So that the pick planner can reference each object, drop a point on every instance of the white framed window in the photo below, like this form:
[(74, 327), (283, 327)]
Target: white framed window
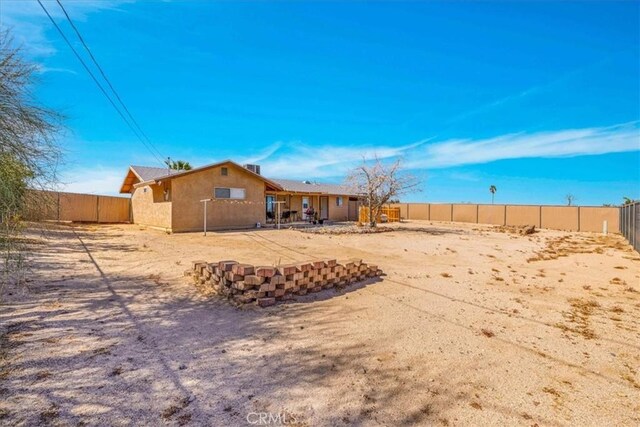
[(339, 201), (229, 193)]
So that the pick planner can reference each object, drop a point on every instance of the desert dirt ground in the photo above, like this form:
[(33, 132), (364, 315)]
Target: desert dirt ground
[(470, 326)]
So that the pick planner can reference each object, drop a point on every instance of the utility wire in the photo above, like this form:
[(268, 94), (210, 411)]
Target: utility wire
[(104, 92), (106, 79)]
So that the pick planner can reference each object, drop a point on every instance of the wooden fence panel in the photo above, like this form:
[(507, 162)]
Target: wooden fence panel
[(58, 206), (78, 207), (113, 209), (393, 214)]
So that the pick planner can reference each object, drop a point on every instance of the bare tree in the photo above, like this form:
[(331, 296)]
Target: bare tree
[(570, 198), (379, 183), (28, 151)]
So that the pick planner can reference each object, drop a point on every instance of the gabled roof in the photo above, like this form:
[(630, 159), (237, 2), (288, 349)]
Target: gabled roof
[(313, 187), (146, 175), (140, 175)]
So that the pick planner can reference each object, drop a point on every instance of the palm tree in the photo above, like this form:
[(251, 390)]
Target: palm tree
[(627, 201), (178, 165), (492, 190)]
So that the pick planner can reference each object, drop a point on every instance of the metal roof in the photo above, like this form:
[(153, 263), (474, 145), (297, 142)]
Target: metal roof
[(146, 174), (313, 187)]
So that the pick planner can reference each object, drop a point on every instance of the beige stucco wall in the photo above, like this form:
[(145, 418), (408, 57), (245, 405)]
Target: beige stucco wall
[(440, 212), (491, 214), (523, 215), (465, 213), (560, 217), (149, 208), (188, 190), (339, 213), (591, 219)]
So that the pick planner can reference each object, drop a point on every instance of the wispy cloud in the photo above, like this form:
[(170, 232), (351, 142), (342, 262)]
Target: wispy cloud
[(299, 160), (562, 143), (29, 24)]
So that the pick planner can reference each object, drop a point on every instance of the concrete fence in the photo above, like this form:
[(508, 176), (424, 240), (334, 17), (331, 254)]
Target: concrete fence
[(569, 218), (60, 206)]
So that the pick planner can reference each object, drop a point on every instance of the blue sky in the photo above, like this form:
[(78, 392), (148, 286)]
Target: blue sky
[(540, 99)]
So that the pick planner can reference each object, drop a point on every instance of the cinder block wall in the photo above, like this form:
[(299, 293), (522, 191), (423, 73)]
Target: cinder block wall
[(570, 218)]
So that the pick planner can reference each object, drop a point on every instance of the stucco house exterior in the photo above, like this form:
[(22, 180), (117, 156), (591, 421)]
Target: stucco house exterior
[(240, 197)]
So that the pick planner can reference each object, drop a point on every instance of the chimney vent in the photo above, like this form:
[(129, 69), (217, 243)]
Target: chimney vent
[(253, 168)]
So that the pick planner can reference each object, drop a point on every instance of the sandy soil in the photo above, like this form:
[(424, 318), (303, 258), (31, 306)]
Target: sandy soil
[(470, 326)]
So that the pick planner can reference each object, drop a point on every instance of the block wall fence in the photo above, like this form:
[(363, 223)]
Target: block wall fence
[(62, 206), (569, 218)]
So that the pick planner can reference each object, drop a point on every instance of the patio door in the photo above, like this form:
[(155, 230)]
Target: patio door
[(305, 206), (324, 207)]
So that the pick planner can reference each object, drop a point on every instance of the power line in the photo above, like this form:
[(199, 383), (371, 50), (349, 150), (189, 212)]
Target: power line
[(95, 61), (93, 77)]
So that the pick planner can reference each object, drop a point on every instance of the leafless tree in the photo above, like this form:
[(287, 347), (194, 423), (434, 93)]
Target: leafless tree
[(29, 154), (570, 198), (379, 183)]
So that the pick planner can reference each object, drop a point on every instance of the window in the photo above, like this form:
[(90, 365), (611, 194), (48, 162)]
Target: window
[(229, 193), (270, 203), (339, 201), (224, 171)]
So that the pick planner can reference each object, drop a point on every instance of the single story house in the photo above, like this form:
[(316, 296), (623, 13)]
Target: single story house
[(240, 197)]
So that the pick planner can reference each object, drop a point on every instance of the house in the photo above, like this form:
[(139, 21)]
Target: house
[(240, 197)]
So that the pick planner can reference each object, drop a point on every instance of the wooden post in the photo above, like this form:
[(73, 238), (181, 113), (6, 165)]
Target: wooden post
[(278, 203), (205, 214)]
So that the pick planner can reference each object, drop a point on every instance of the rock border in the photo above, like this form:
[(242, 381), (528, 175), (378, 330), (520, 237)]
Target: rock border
[(265, 285)]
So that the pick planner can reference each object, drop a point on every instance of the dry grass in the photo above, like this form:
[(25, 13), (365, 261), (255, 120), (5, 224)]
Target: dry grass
[(579, 315)]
